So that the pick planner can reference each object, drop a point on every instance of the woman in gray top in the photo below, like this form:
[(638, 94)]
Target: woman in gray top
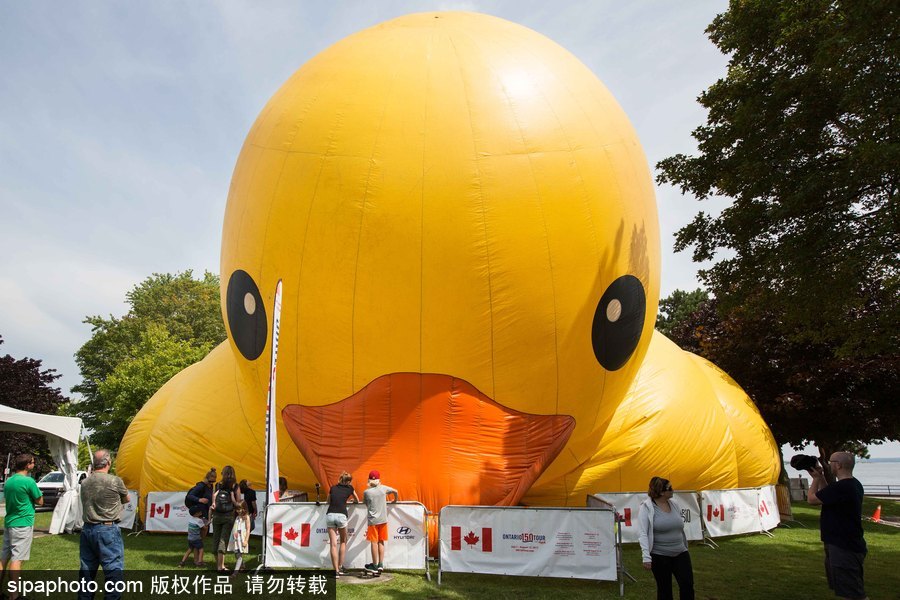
[(663, 542)]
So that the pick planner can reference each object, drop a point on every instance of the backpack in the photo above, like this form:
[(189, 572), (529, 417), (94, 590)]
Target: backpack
[(224, 502), (194, 491)]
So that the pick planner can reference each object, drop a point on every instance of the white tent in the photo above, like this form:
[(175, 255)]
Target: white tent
[(62, 436)]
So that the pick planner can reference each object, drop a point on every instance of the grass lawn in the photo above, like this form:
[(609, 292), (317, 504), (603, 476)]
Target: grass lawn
[(745, 567)]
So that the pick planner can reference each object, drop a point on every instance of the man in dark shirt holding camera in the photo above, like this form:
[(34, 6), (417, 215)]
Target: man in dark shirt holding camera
[(840, 525)]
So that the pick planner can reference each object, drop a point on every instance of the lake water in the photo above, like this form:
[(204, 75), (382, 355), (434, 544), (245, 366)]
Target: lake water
[(868, 472)]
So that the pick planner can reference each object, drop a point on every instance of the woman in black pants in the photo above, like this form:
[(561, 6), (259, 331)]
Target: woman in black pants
[(227, 495), (663, 542)]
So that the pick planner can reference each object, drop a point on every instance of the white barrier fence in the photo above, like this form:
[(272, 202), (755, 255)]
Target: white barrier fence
[(126, 521), (298, 537), (718, 512), (769, 515), (543, 542), (733, 512), (166, 512), (628, 505)]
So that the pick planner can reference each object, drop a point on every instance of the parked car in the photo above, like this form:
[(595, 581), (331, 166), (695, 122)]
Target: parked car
[(51, 486)]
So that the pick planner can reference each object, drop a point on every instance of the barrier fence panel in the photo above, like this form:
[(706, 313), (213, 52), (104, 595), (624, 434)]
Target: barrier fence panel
[(628, 506), (127, 519), (258, 523), (166, 512), (298, 537), (541, 542), (690, 512), (731, 512), (783, 495), (769, 515)]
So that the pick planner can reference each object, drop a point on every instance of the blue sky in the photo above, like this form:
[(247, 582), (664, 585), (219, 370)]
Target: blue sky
[(120, 123)]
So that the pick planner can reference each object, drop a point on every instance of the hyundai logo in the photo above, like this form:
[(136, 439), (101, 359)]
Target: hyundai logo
[(403, 530)]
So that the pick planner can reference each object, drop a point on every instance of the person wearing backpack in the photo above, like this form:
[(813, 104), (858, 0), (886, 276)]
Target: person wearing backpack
[(226, 497), (201, 494)]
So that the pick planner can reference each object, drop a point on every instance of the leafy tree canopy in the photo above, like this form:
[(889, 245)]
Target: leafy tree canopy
[(173, 322), (26, 386), (677, 308), (802, 138)]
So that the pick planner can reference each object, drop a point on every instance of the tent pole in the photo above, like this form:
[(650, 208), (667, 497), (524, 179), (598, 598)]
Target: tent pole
[(87, 440)]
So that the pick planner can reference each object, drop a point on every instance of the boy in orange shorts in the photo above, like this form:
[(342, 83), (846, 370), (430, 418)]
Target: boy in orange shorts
[(375, 498)]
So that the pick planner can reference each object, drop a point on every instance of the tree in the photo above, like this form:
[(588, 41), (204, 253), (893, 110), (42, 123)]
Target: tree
[(802, 137), (26, 386), (677, 308), (802, 142), (156, 358), (173, 322)]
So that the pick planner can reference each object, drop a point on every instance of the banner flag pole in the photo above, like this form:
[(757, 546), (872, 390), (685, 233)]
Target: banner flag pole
[(272, 493)]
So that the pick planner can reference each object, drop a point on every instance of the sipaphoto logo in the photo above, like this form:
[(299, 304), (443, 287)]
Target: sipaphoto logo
[(403, 530)]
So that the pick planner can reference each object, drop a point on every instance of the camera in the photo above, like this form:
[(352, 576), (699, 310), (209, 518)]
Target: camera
[(804, 462)]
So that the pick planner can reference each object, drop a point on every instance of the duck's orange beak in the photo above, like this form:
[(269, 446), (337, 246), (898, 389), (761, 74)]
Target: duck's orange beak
[(435, 438)]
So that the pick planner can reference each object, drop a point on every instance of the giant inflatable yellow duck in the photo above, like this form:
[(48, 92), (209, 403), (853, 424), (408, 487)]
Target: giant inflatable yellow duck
[(466, 229)]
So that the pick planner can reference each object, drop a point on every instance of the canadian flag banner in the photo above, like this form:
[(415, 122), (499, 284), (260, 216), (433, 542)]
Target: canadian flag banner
[(731, 512), (540, 542), (166, 512), (628, 505), (297, 536), (291, 535), (715, 512), (485, 542)]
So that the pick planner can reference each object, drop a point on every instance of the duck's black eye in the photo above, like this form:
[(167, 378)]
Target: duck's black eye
[(618, 322), (246, 315)]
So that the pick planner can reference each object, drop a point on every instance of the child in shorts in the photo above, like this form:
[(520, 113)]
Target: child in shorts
[(375, 498), (197, 528)]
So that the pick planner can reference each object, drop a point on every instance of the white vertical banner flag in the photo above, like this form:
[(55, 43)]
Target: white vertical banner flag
[(296, 536), (271, 414), (628, 505), (769, 516), (731, 512), (539, 542)]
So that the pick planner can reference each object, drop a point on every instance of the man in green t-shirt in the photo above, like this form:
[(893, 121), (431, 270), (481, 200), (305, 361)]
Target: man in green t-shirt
[(21, 493)]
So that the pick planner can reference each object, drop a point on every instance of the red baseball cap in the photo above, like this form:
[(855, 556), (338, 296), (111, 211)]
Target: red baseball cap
[(373, 474)]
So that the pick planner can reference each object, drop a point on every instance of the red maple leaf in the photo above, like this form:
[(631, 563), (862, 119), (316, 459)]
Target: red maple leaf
[(291, 534), (159, 510), (471, 539)]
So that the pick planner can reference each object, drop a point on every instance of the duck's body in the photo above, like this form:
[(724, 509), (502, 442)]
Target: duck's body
[(466, 229)]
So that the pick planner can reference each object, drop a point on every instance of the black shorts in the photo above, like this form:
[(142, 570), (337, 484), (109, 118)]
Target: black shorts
[(844, 570)]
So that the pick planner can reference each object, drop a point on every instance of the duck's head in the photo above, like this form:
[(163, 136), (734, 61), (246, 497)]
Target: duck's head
[(466, 228)]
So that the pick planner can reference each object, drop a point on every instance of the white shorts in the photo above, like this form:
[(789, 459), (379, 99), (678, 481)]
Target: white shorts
[(17, 543), (335, 520)]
